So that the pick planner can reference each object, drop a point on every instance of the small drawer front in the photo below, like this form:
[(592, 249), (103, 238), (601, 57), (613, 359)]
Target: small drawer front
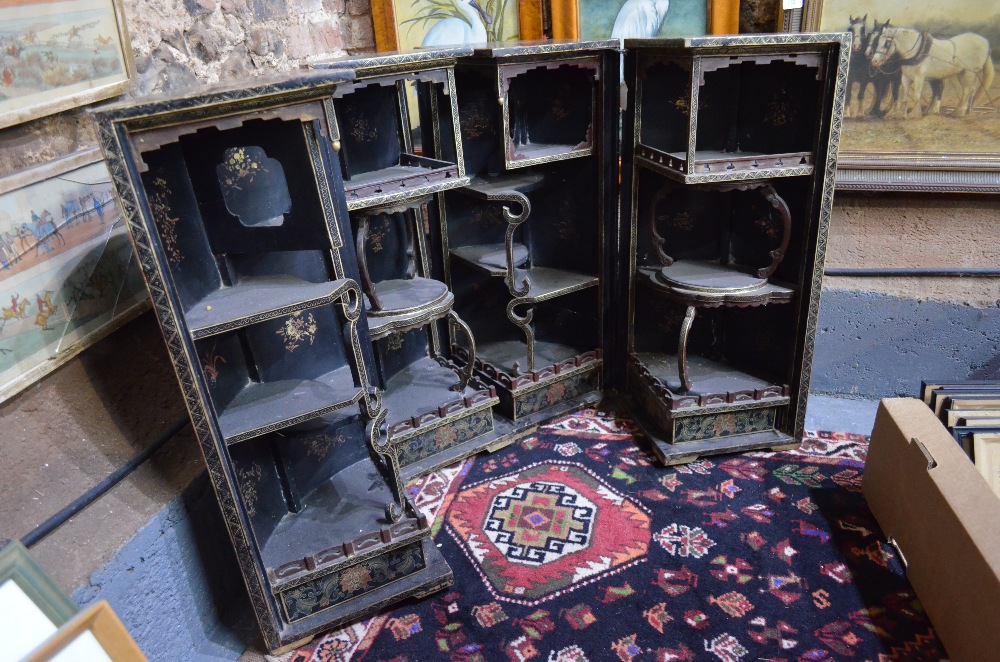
[(724, 424), (354, 580)]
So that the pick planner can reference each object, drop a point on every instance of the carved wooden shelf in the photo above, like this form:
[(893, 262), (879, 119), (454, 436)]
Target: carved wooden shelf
[(408, 303), (257, 299), (546, 283), (262, 407), (290, 551), (720, 166), (708, 284), (713, 383), (487, 187), (491, 258), (414, 175)]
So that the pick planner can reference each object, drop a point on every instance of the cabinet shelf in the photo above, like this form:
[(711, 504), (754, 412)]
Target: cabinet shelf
[(413, 175), (720, 166), (710, 284), (490, 258), (713, 383), (420, 387), (262, 407), (408, 303), (257, 299), (548, 283), (489, 186), (351, 504), (503, 354)]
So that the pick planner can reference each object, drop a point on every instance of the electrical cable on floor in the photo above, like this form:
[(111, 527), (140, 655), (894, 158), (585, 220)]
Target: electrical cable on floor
[(889, 272), (94, 493)]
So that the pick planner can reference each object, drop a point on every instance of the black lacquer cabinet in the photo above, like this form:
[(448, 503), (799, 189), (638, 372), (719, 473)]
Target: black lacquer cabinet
[(376, 268)]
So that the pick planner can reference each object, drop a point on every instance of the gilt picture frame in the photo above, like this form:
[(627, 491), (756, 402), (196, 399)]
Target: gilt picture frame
[(936, 140), (32, 606), (68, 276), (599, 19), (96, 634), (61, 54)]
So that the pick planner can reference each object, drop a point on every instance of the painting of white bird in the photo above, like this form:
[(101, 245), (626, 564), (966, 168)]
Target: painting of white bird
[(470, 28), (640, 19)]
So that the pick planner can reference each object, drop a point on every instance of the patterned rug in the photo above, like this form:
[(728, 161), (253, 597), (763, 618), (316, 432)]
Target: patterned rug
[(574, 546)]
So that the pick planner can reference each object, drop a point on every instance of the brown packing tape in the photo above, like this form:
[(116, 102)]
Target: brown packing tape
[(930, 499)]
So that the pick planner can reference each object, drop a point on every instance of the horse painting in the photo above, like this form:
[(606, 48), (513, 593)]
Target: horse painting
[(964, 58), (41, 228)]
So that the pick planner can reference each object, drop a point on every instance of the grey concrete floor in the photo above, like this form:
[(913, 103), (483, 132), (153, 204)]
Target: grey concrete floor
[(833, 413)]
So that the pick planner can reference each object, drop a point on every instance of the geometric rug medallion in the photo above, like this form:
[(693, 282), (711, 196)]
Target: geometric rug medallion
[(547, 529)]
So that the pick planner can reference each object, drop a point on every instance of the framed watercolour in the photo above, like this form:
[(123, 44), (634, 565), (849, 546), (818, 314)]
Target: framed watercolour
[(32, 606), (67, 274), (96, 634), (403, 25), (922, 110), (57, 55), (986, 449), (642, 19)]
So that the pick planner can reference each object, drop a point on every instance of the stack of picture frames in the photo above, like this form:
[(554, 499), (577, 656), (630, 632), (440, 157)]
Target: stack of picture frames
[(409, 24), (38, 622), (971, 412), (922, 110), (67, 273)]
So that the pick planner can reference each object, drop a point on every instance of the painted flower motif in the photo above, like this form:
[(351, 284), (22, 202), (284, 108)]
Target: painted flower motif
[(210, 361), (556, 392), (166, 222), (445, 437), (297, 330), (241, 168), (355, 579)]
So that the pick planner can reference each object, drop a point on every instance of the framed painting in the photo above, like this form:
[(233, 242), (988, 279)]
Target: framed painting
[(67, 273), (643, 19), (922, 111), (56, 55), (96, 634), (986, 450), (32, 606), (403, 25)]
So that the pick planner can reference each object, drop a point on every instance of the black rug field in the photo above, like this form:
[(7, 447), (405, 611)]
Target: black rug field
[(573, 545)]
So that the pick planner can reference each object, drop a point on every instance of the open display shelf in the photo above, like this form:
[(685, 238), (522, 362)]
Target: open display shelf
[(436, 413), (549, 108), (238, 211), (716, 115), (727, 155), (377, 268), (374, 120)]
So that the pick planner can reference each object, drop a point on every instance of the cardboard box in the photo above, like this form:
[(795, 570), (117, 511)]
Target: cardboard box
[(930, 499)]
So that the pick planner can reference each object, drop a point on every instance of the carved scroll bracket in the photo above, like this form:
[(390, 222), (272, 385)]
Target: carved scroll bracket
[(465, 373), (513, 221), (523, 323)]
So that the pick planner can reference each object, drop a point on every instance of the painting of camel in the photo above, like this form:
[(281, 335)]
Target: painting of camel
[(922, 104), (67, 273), (56, 55)]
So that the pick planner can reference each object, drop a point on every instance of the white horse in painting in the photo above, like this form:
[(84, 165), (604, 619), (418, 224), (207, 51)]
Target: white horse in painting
[(922, 57)]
